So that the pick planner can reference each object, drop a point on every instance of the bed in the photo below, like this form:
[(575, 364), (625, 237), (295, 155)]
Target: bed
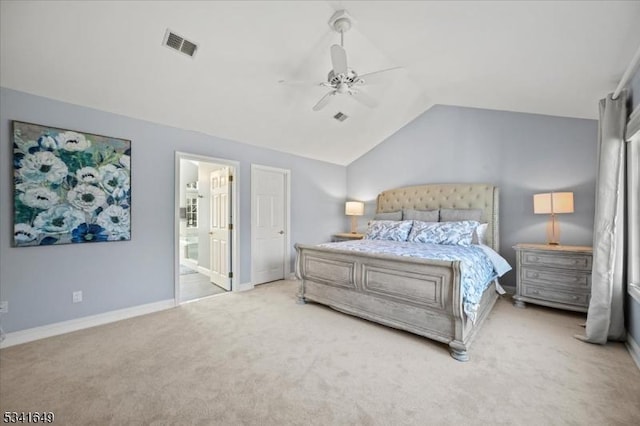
[(422, 296)]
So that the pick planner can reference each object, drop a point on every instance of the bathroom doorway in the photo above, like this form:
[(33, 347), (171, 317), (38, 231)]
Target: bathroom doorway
[(206, 212)]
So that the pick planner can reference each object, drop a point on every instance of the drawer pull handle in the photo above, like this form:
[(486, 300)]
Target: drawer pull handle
[(535, 258), (535, 275), (535, 292), (575, 297)]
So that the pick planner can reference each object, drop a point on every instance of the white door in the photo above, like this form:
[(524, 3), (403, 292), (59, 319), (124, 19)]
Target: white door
[(269, 210), (219, 229)]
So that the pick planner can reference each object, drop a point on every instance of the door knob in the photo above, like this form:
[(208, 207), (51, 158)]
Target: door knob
[(281, 232)]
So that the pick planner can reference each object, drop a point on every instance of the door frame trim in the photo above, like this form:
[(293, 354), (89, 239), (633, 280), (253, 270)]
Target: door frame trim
[(235, 210), (287, 220)]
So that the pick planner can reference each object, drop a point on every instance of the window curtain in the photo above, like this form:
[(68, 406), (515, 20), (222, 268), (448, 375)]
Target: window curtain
[(605, 318), (633, 201)]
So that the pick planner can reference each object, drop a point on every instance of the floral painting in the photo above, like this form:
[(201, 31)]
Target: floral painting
[(69, 187)]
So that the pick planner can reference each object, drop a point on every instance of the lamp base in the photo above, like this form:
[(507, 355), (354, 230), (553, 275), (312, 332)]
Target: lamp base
[(354, 224), (553, 231)]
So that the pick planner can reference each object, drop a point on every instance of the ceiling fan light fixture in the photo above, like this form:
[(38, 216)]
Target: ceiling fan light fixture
[(342, 25), (342, 80), (341, 21), (340, 116)]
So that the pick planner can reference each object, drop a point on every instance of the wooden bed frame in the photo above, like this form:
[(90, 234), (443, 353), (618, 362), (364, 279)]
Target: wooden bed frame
[(417, 295)]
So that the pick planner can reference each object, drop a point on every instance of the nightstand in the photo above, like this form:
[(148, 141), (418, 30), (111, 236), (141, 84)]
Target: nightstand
[(346, 236), (556, 276)]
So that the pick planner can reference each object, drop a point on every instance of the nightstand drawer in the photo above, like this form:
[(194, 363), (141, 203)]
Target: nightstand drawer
[(575, 261), (553, 295), (575, 280)]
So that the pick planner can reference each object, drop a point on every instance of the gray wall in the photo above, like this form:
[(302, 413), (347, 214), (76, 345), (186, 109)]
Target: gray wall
[(38, 281), (521, 153), (633, 307)]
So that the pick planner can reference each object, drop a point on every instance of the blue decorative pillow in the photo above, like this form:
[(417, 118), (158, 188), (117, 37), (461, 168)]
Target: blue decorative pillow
[(390, 230), (453, 233)]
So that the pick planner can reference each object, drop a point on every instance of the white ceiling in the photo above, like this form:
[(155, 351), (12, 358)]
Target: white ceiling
[(555, 58)]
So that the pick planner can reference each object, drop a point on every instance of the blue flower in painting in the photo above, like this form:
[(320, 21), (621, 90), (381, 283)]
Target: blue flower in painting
[(42, 167), (86, 233), (58, 219)]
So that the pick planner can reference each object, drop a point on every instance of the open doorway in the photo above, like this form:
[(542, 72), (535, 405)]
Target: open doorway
[(206, 247)]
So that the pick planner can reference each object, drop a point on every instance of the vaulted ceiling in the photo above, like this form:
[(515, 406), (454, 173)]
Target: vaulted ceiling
[(554, 58)]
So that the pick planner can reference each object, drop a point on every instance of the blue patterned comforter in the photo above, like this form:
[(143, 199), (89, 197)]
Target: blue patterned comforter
[(479, 265)]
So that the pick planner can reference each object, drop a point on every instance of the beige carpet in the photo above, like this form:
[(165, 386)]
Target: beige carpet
[(259, 358)]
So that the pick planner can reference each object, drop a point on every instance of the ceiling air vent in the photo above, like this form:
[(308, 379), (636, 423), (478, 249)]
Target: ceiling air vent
[(176, 42), (340, 116)]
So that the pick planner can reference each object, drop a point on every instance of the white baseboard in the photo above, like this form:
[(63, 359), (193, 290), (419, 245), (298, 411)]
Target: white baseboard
[(292, 277), (189, 262), (36, 333), (244, 287), (203, 270), (634, 349)]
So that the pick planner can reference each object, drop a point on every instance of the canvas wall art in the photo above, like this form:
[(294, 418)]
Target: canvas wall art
[(69, 187)]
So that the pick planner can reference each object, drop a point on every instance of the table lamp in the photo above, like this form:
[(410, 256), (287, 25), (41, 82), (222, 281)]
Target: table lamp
[(553, 203), (354, 209)]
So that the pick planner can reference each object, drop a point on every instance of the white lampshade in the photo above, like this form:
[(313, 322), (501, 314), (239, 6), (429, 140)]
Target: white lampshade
[(354, 208), (553, 203)]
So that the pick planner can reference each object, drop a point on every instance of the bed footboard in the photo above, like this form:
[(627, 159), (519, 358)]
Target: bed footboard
[(417, 295)]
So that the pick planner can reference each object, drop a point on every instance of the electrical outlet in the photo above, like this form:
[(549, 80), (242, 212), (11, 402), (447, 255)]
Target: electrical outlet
[(77, 296), (4, 307)]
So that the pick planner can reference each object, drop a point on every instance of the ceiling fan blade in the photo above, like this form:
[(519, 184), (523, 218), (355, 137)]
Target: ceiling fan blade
[(305, 83), (363, 98), (375, 77), (338, 59), (324, 101)]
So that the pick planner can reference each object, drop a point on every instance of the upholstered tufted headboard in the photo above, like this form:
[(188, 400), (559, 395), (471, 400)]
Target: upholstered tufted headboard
[(448, 196)]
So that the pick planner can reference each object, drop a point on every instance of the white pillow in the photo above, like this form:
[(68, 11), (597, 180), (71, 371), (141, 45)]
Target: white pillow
[(390, 230), (455, 233), (480, 234)]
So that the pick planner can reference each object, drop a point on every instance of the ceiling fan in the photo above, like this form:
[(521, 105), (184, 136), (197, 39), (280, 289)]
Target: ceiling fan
[(341, 79)]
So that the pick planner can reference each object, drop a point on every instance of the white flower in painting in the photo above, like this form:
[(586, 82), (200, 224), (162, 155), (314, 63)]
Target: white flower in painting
[(39, 198), (72, 141), (43, 166), (58, 220), (122, 236), (125, 161), (86, 197), (88, 175), (23, 233), (114, 180), (114, 219), (47, 142)]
